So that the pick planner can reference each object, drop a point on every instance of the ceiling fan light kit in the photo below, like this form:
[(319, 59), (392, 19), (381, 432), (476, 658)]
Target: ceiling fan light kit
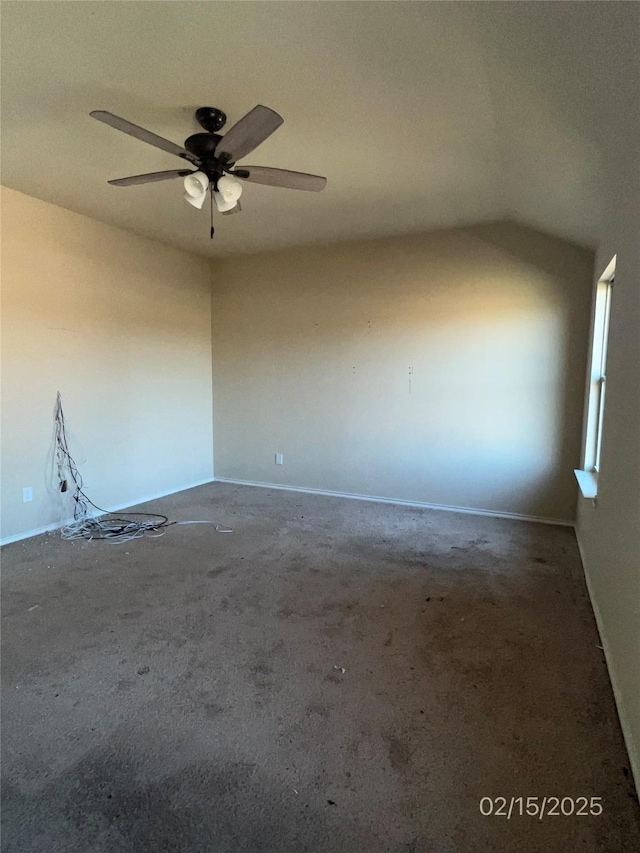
[(227, 194), (196, 185), (215, 156)]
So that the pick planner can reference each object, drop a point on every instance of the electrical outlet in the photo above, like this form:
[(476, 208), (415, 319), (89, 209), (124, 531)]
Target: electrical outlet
[(27, 494), (279, 459)]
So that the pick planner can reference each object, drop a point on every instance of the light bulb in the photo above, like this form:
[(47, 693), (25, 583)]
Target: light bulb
[(229, 189), (196, 184), (222, 205)]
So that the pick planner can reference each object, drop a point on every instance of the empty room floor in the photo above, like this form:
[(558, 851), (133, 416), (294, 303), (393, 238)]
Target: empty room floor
[(333, 675)]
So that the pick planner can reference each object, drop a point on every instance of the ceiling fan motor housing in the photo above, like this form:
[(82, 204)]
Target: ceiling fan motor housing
[(203, 145)]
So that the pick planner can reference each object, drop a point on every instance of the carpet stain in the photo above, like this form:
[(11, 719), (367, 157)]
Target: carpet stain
[(399, 753), (319, 710)]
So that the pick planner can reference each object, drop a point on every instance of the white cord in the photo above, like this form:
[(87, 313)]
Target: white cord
[(219, 527)]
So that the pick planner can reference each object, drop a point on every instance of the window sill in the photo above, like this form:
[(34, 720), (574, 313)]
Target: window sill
[(588, 483)]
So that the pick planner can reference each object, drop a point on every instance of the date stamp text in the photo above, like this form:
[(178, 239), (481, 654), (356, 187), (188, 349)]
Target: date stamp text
[(540, 807)]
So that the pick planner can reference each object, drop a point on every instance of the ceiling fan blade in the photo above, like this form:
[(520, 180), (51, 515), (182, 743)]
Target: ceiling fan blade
[(248, 133), (150, 178), (142, 134), (236, 209), (282, 178)]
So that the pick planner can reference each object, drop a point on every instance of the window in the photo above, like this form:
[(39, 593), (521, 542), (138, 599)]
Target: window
[(588, 476)]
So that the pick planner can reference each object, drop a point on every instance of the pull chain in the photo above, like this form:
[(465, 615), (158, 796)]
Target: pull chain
[(211, 200)]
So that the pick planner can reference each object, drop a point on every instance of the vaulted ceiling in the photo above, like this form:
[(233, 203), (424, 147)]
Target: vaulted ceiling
[(421, 115)]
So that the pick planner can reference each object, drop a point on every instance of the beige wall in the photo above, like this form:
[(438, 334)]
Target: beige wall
[(609, 531), (120, 325), (444, 368)]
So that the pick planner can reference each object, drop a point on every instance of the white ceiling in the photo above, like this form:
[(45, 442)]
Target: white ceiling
[(421, 115)]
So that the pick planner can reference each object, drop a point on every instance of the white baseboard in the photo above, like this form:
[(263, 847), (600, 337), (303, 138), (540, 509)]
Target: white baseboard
[(634, 758), (399, 502), (56, 525), (36, 531)]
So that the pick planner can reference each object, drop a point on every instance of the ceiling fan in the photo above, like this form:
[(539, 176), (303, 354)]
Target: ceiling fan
[(214, 158)]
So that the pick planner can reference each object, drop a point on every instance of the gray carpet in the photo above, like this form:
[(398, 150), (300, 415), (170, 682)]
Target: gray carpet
[(186, 693)]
